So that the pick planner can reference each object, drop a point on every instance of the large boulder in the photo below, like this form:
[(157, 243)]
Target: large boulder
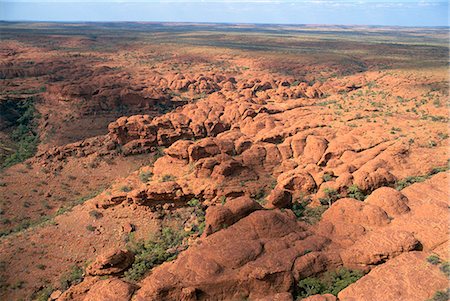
[(111, 262)]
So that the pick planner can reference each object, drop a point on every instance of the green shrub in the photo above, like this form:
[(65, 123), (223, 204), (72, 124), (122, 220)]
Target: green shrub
[(153, 252), (199, 212), (329, 283), (310, 286), (356, 193), (331, 196), (434, 259), (194, 202), (311, 215)]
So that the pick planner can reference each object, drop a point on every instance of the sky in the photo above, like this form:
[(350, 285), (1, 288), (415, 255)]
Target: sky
[(344, 12)]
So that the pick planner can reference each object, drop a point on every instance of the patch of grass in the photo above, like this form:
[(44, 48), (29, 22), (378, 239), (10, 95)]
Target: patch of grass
[(328, 283), (90, 228), (145, 176), (153, 252)]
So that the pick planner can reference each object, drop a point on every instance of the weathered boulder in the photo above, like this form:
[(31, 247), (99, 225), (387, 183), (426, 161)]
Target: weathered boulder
[(111, 262), (279, 198), (390, 200), (223, 216)]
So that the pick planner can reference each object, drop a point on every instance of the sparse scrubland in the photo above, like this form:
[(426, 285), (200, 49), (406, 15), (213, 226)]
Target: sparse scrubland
[(223, 162)]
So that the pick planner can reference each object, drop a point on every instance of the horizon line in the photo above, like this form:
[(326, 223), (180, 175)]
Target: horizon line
[(224, 23)]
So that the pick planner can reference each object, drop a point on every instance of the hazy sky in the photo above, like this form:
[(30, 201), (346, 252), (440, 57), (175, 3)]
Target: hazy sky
[(367, 12)]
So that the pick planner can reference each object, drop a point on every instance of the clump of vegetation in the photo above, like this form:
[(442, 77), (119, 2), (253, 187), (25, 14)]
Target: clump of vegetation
[(125, 188), (331, 196), (199, 212), (24, 134), (90, 228), (95, 214), (145, 176), (441, 296), (434, 259), (168, 178), (72, 277), (153, 252), (328, 283), (356, 193), (41, 266), (417, 179), (445, 268), (327, 177), (409, 181), (308, 214), (43, 294), (260, 196)]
